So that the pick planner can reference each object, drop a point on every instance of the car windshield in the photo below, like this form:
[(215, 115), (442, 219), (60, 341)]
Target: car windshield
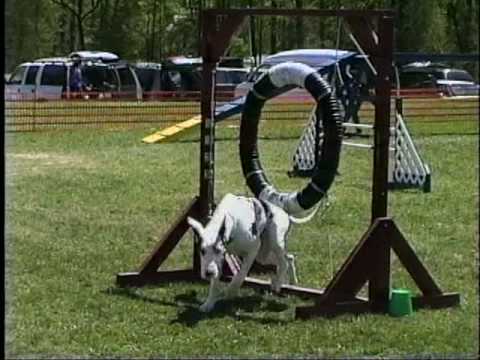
[(230, 76), (17, 76), (99, 78), (459, 75), (264, 67), (416, 80), (147, 78)]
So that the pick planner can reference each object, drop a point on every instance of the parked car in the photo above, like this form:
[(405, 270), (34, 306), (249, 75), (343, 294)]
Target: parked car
[(103, 74), (103, 56), (186, 73), (325, 61), (149, 75), (347, 71), (182, 77), (447, 81), (227, 79)]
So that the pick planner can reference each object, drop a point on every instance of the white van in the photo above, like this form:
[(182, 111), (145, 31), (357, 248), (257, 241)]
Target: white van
[(49, 78)]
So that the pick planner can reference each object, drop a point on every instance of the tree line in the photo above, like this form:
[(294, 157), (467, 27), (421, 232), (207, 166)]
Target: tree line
[(150, 30)]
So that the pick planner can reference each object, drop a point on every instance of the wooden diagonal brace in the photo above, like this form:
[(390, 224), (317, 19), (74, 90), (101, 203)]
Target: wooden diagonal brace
[(219, 32)]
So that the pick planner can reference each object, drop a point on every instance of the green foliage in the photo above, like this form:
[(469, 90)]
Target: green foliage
[(413, 17), (29, 29), (118, 29), (153, 29), (462, 18)]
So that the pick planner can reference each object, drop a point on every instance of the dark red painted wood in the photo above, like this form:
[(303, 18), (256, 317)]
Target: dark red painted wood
[(370, 259), (169, 241)]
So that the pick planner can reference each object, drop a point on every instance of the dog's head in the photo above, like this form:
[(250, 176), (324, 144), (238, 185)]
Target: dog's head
[(212, 248)]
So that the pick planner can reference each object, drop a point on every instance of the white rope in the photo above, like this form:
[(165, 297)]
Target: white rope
[(323, 206), (330, 254), (365, 56), (336, 66), (334, 89), (210, 125)]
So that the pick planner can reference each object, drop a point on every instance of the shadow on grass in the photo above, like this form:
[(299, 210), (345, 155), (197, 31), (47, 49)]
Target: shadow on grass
[(248, 308)]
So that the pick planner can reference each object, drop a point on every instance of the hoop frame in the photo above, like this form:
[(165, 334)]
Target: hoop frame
[(369, 261)]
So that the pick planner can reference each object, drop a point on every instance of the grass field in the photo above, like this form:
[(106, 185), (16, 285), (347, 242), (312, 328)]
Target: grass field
[(82, 206)]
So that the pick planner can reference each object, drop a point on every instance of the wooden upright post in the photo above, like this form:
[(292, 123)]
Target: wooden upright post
[(379, 285), (383, 64)]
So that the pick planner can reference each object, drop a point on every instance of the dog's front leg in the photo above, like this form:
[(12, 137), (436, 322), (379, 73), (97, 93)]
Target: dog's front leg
[(214, 294), (239, 277)]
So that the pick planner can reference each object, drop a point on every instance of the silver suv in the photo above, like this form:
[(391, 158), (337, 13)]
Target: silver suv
[(103, 75), (447, 81)]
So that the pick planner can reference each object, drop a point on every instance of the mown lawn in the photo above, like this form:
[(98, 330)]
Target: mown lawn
[(82, 206)]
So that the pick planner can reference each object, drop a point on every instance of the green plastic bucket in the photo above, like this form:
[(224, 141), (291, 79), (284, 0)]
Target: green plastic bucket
[(400, 303)]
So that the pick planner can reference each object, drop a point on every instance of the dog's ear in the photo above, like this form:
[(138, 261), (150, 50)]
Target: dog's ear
[(221, 232), (219, 247), (225, 230), (196, 226)]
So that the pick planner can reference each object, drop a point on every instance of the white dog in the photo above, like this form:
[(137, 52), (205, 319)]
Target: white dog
[(248, 228)]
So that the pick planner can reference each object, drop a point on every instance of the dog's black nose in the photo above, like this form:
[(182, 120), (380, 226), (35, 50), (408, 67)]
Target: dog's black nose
[(209, 274)]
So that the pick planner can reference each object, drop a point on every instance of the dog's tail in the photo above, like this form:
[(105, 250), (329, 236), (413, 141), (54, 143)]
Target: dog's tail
[(323, 204), (305, 219)]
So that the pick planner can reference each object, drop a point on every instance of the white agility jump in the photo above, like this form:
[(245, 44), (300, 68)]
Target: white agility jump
[(406, 166), (361, 145)]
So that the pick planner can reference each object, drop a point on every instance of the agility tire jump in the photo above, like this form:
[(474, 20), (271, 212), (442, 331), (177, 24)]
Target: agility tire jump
[(270, 84)]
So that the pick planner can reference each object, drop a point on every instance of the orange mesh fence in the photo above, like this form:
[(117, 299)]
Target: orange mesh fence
[(162, 109)]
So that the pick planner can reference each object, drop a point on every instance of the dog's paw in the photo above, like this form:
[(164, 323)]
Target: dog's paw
[(206, 307), (276, 286)]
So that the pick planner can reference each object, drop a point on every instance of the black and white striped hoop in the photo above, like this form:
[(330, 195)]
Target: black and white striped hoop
[(272, 83)]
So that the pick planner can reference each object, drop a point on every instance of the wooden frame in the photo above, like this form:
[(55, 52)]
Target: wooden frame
[(369, 262)]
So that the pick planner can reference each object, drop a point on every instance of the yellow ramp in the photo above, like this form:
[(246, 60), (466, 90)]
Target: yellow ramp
[(172, 130)]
